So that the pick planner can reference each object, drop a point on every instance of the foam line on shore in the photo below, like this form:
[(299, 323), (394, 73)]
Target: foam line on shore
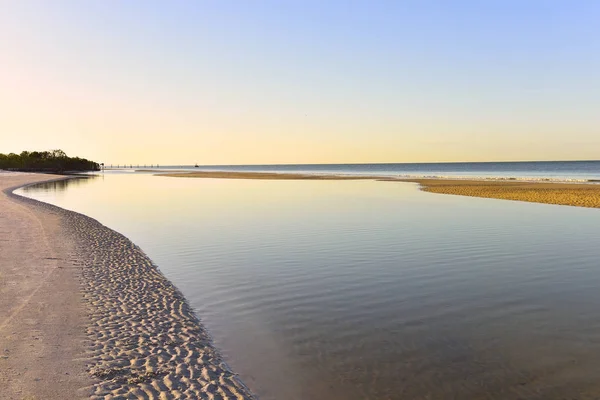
[(143, 338)]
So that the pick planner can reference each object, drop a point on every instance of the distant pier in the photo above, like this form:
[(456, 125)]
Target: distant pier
[(129, 166)]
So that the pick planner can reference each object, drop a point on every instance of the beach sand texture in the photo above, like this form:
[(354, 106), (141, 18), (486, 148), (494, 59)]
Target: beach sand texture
[(134, 335), (42, 317), (568, 194)]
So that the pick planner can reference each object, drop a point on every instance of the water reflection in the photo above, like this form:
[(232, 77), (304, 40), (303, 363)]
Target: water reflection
[(354, 290), (62, 185)]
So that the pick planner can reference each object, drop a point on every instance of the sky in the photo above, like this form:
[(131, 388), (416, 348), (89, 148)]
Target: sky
[(264, 82)]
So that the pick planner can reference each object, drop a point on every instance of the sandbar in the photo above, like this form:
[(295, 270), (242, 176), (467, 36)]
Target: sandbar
[(569, 194), (257, 175), (566, 194)]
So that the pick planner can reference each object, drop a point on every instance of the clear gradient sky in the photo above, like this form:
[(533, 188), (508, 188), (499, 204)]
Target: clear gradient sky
[(252, 82)]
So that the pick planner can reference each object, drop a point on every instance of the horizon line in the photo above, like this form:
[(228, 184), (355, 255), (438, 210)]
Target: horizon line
[(139, 165)]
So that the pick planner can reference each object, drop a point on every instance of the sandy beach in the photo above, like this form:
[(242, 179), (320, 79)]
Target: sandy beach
[(86, 314), (569, 194), (42, 316)]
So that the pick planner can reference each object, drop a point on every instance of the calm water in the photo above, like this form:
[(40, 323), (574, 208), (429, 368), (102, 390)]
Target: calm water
[(370, 290), (547, 170)]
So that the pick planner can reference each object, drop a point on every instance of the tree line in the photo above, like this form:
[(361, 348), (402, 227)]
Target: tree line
[(45, 161)]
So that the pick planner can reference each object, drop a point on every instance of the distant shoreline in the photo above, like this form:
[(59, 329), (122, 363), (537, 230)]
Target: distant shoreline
[(138, 166), (565, 194), (559, 193), (256, 175)]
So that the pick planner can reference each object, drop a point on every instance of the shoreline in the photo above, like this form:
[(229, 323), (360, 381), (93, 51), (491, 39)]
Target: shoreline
[(140, 336), (557, 193), (564, 194), (41, 318), (132, 332)]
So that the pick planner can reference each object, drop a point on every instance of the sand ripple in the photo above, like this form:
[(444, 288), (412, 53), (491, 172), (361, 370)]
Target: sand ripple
[(144, 340)]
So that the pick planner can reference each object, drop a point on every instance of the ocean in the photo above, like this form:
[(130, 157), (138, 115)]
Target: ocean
[(372, 290), (526, 170)]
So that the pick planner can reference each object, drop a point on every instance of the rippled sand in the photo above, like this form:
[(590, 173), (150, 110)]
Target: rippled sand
[(143, 340)]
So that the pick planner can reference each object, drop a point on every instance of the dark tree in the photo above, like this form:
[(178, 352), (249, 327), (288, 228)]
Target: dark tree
[(46, 161)]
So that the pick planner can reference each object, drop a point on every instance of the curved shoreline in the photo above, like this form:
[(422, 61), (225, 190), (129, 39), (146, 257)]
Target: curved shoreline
[(143, 339)]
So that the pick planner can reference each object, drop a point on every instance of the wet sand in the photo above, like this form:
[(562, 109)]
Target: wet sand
[(580, 195), (86, 314)]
